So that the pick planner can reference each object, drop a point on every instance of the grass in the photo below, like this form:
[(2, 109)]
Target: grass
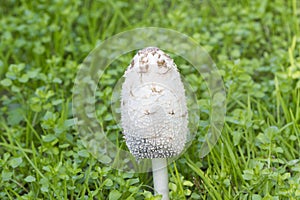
[(255, 45)]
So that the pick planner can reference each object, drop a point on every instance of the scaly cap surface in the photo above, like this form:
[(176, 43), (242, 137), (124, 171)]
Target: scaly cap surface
[(154, 114)]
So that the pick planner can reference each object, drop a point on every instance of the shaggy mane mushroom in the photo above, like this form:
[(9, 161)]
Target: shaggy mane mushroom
[(153, 112)]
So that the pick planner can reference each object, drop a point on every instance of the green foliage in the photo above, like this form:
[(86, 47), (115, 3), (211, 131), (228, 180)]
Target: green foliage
[(255, 45)]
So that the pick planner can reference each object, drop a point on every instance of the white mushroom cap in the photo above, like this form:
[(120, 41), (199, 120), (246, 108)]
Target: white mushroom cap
[(153, 107)]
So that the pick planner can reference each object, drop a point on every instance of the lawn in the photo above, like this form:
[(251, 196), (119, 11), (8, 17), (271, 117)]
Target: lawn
[(255, 46)]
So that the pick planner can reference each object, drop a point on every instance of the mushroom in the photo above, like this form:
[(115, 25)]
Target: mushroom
[(153, 112)]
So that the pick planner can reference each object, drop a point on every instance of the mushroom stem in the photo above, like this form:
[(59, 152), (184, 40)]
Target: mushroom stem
[(160, 177)]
